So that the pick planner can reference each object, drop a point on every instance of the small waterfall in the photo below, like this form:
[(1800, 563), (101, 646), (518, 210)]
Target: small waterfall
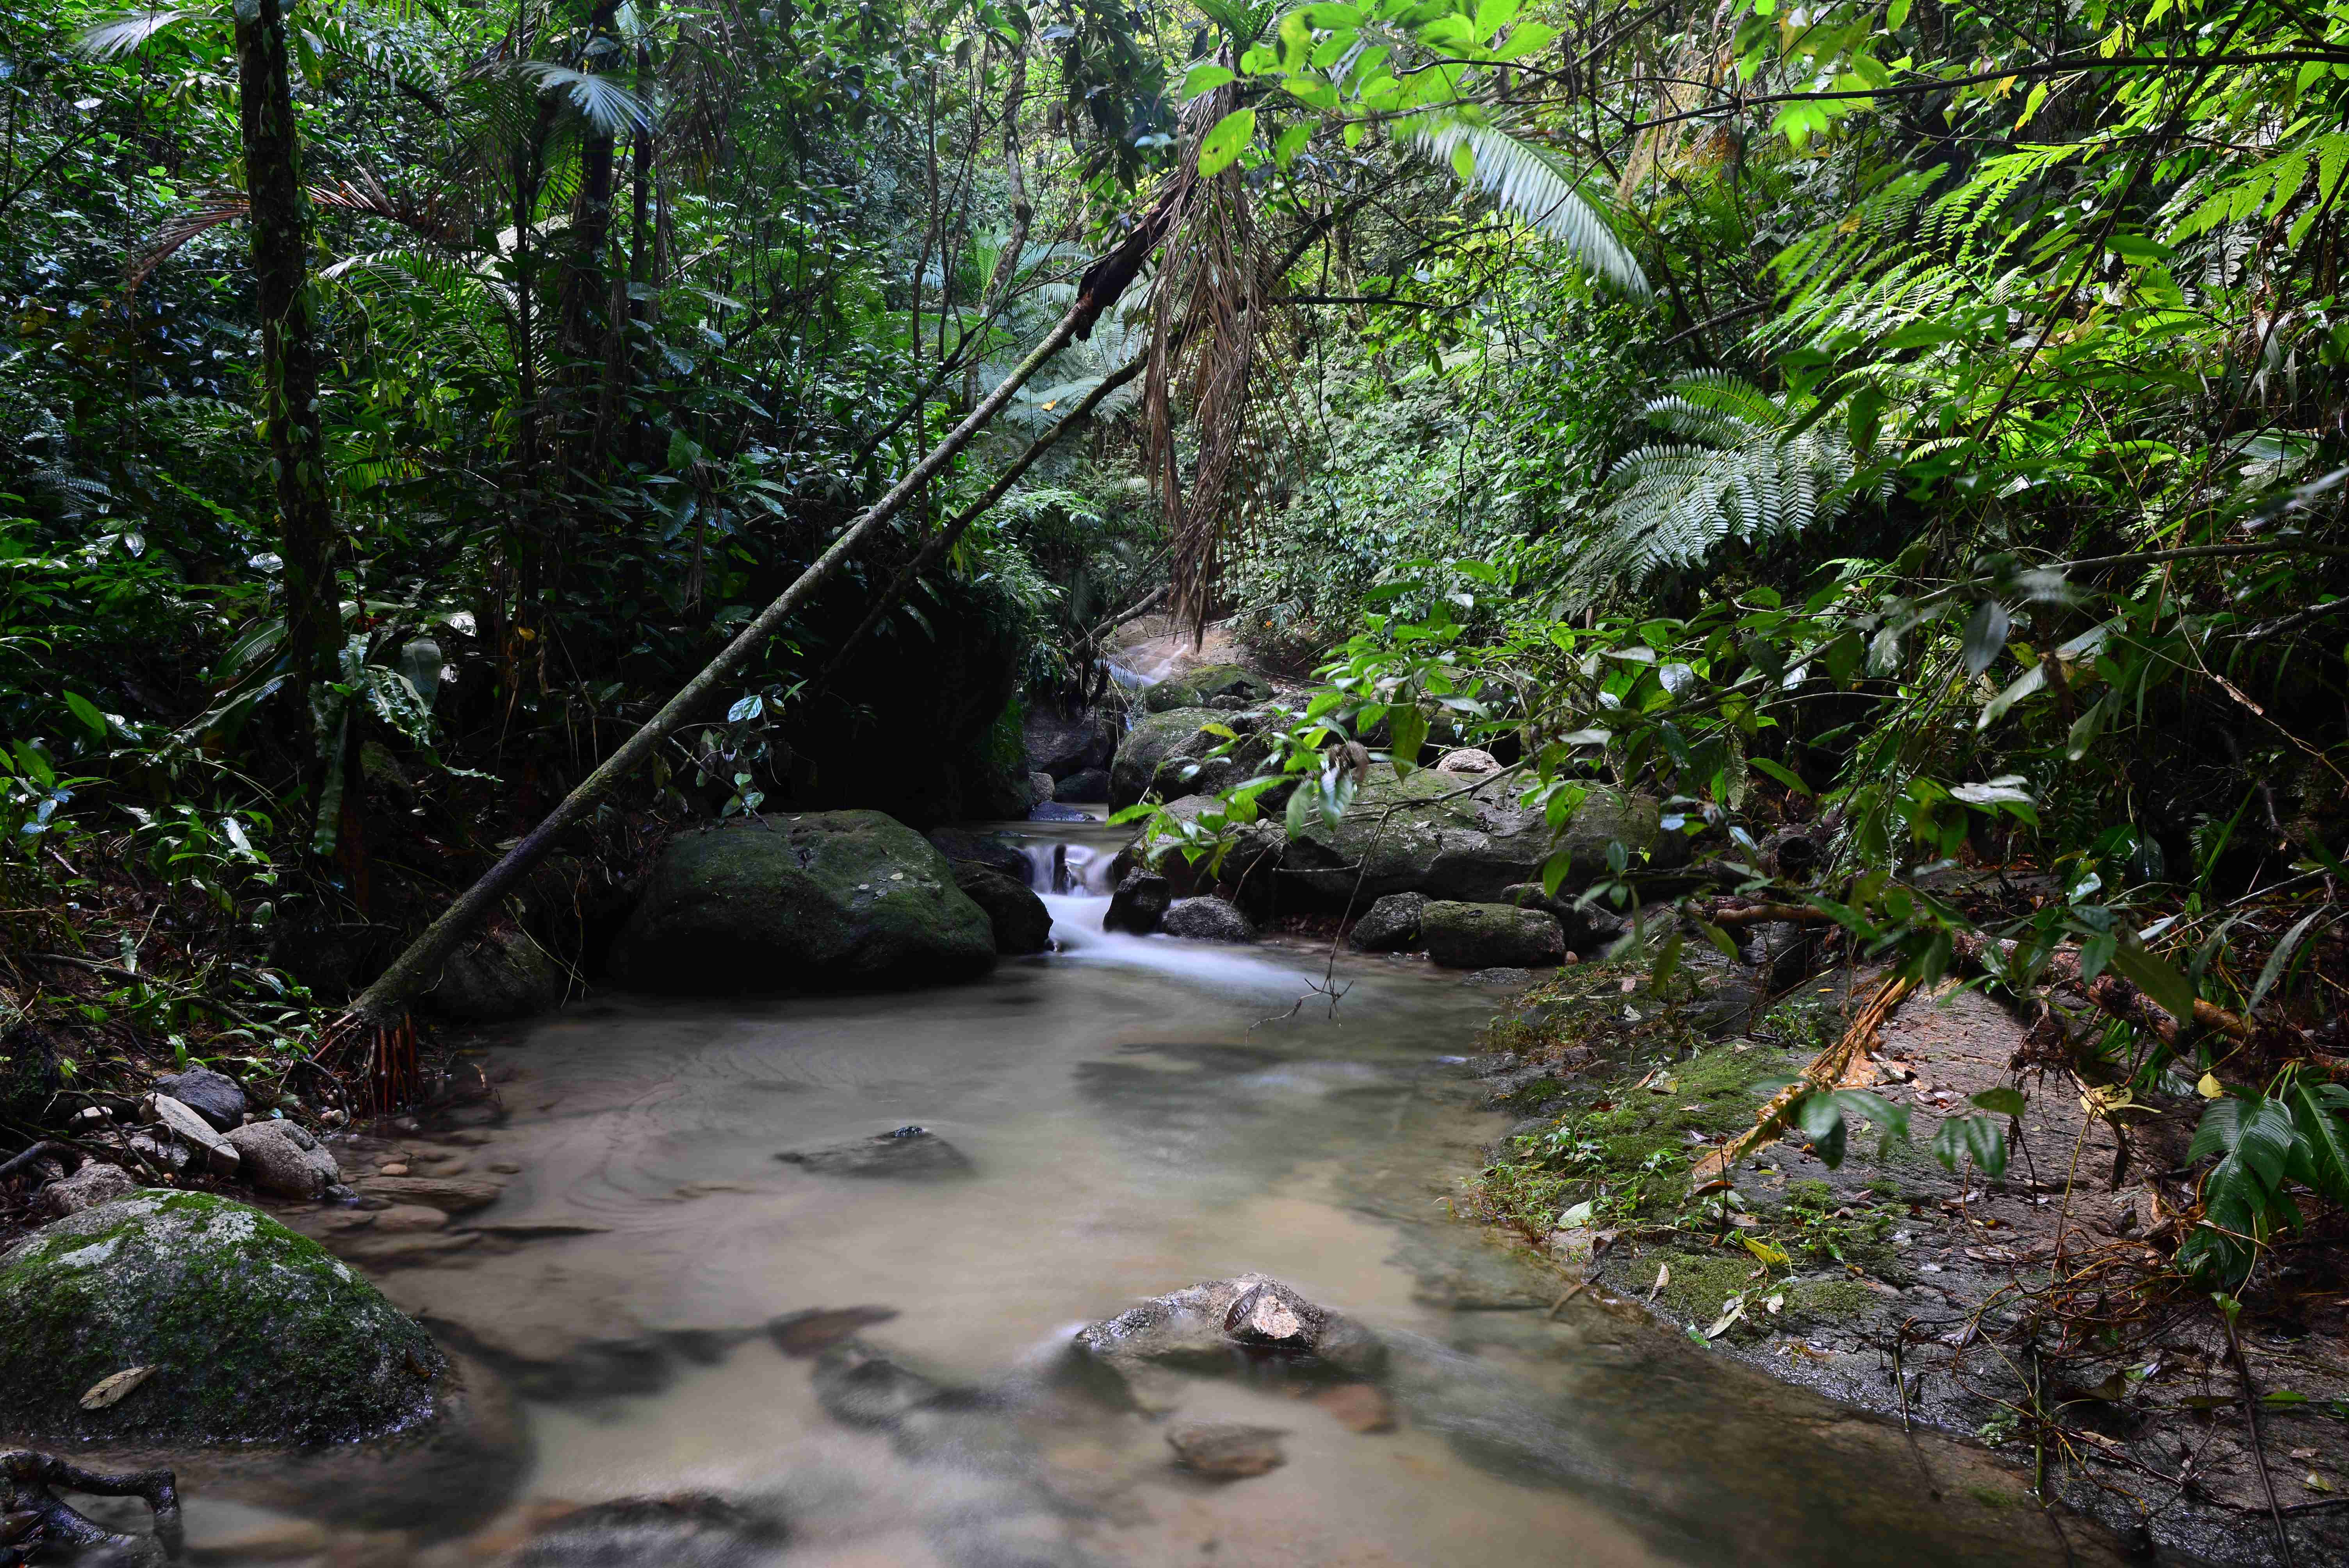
[(1067, 869)]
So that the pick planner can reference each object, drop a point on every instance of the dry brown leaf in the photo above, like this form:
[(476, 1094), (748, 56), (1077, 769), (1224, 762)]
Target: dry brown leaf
[(111, 1390)]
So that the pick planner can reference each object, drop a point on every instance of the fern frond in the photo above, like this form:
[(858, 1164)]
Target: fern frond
[(1538, 186)]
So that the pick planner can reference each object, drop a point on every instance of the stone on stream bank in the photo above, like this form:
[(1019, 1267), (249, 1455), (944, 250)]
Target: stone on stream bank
[(213, 1096), (1223, 686), (497, 975), (255, 1335), (1170, 753), (1219, 1324), (1018, 917), (1140, 903), (831, 900), (1491, 936), (1392, 926), (1206, 919)]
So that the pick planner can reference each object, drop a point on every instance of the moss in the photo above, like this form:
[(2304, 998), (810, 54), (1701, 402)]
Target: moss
[(1991, 1497), (257, 1334), (1700, 1282), (1812, 1299)]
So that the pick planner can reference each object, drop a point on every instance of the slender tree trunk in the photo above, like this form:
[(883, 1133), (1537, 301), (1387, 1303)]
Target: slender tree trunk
[(1023, 213), (280, 224)]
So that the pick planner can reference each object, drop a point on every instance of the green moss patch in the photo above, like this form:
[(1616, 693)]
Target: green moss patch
[(257, 1334)]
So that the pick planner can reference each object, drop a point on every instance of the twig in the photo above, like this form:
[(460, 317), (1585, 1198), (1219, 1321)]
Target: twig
[(2259, 1440)]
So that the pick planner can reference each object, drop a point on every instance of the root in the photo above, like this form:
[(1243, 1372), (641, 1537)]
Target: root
[(32, 1521), (1840, 1066), (384, 1057)]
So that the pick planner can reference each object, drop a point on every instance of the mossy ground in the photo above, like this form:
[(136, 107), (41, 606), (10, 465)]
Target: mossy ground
[(1638, 1096)]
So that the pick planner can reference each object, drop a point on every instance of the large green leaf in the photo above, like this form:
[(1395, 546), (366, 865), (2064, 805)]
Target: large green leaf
[(1542, 188), (1225, 142), (2320, 1153)]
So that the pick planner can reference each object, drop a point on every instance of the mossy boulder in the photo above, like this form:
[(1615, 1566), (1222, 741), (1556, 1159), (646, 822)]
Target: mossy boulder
[(1018, 917), (829, 901), (1208, 686), (256, 1334), (1171, 754), (1423, 834), (1490, 935)]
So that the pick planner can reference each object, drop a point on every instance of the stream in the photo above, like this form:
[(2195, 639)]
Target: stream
[(1132, 1115)]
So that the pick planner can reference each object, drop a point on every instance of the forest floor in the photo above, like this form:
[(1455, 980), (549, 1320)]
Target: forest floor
[(2038, 1313)]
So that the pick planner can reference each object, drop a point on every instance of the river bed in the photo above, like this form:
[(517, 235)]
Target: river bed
[(1136, 1114)]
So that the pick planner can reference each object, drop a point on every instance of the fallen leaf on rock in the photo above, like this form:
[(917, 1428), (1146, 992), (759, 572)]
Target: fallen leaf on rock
[(2315, 1482), (1663, 1278), (111, 1390)]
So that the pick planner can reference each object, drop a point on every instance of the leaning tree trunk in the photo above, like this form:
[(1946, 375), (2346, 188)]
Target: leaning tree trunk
[(384, 1003), (280, 223)]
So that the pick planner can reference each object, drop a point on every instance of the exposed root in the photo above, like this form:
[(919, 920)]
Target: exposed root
[(33, 1521), (383, 1057), (1840, 1066)]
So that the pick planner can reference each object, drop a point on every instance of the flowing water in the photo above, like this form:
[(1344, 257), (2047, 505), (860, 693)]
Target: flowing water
[(1135, 1114)]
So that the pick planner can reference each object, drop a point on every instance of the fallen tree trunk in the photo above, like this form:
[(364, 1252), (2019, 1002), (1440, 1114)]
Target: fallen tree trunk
[(384, 1004)]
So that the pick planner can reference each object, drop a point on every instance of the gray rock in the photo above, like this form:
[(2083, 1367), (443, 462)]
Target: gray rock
[(1504, 975), (182, 1122), (1208, 685), (1018, 917), (859, 1386), (1090, 787), (1402, 835), (1392, 924), (499, 974), (164, 1153), (1467, 760), (1220, 1323), (910, 1152), (993, 851), (1227, 1450), (1249, 861), (96, 1183), (257, 1334), (1588, 928), (1139, 904), (1171, 754), (284, 1160), (1491, 935), (213, 1096), (685, 1530), (29, 1075), (450, 1195), (830, 900), (1206, 920), (1062, 745), (1040, 788)]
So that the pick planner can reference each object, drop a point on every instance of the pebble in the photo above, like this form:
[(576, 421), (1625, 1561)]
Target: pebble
[(1225, 1449), (505, 1168), (1357, 1407), (392, 1170)]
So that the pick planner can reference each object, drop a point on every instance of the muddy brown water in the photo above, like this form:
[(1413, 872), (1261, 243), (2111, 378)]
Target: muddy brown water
[(1137, 1114)]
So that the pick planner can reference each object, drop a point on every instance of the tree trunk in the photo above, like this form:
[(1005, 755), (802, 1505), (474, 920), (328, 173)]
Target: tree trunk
[(280, 223)]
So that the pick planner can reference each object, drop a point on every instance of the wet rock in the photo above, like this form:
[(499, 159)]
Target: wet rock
[(257, 1334), (1054, 811), (1587, 928), (498, 974), (213, 1096), (1491, 935), (1014, 913), (1418, 835), (1227, 1450), (799, 1335), (1249, 861), (859, 1386), (993, 851), (1211, 1325), (828, 901), (688, 1530), (1171, 754), (161, 1152), (1782, 951), (1392, 924), (1040, 788), (1090, 787), (1357, 1407), (181, 1121), (450, 1195), (284, 1160), (96, 1183), (1139, 904), (914, 1152), (1206, 919), (1208, 686), (1503, 975)]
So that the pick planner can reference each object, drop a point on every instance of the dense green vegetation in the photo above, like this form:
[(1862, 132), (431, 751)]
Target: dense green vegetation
[(1920, 421)]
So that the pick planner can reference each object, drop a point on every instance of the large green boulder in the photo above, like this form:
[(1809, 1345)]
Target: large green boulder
[(1208, 686), (1451, 837), (1491, 936), (253, 1333), (1169, 754), (828, 901)]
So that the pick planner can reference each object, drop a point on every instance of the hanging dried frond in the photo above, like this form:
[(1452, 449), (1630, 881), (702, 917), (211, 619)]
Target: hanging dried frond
[(1207, 311)]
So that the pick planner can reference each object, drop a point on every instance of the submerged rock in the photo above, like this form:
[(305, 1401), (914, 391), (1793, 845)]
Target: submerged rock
[(1139, 904), (831, 900), (687, 1530), (1206, 919), (1211, 1325), (1491, 936), (1417, 834), (1208, 686), (284, 1160), (256, 1334), (1225, 1449), (910, 1152), (213, 1096), (499, 974), (1017, 916), (859, 1386), (1391, 926)]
